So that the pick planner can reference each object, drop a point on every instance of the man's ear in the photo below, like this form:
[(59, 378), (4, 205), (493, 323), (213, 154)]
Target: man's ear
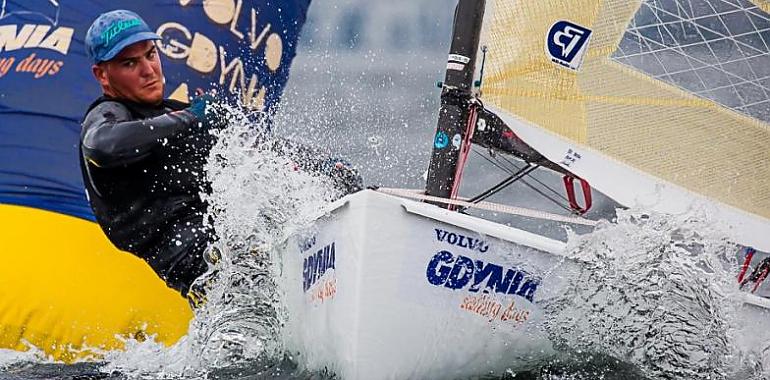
[(100, 73)]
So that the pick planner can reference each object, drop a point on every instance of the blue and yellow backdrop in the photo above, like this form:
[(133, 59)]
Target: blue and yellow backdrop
[(63, 287)]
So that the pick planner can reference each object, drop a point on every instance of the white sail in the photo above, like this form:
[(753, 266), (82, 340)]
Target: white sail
[(658, 103)]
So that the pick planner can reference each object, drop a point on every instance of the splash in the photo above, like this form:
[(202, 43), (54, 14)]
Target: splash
[(32, 354), (258, 199), (657, 291)]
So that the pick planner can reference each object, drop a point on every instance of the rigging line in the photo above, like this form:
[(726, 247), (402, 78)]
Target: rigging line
[(418, 194), (546, 196), (509, 162), (493, 162), (532, 187), (465, 149), (497, 162), (494, 189), (536, 180), (543, 194), (504, 183)]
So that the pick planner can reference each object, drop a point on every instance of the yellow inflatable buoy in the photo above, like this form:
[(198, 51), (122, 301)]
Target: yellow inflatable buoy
[(67, 291)]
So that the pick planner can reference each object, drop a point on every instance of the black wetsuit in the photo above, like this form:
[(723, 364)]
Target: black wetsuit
[(143, 171)]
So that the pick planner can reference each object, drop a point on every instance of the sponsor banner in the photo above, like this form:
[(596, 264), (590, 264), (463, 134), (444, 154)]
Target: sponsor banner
[(458, 58), (455, 66), (476, 273), (457, 272), (493, 292), (241, 48), (493, 309), (319, 278)]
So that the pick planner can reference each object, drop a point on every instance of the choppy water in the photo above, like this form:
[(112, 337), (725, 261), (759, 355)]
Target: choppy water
[(659, 292)]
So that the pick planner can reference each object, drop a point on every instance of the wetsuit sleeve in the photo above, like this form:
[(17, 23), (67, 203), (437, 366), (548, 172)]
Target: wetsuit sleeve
[(307, 158), (112, 138), (314, 160)]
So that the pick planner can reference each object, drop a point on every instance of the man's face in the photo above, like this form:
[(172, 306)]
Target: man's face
[(134, 74)]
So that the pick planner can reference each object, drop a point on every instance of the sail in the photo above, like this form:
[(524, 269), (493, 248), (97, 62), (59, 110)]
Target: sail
[(63, 286), (655, 102)]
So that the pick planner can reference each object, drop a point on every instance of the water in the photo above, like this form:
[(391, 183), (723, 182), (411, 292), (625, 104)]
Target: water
[(657, 291)]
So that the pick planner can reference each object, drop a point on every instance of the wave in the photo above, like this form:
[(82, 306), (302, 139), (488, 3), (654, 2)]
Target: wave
[(659, 292)]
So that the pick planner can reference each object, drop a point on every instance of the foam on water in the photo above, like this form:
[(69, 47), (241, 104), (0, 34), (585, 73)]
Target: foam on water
[(659, 292), (11, 357)]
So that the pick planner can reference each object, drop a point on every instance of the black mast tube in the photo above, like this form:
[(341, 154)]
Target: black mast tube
[(455, 97)]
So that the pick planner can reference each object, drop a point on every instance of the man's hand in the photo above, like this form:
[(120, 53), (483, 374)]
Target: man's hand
[(208, 111)]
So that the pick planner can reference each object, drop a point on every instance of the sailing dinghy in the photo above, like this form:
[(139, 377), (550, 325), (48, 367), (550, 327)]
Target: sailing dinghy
[(659, 104)]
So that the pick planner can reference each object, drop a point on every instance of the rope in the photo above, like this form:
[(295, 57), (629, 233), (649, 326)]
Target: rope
[(495, 207), (558, 194), (493, 162), (529, 185), (503, 184)]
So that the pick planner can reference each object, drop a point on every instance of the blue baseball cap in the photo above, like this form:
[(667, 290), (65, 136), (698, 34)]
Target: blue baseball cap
[(111, 32)]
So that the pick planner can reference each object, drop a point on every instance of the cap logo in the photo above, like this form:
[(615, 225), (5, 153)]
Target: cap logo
[(117, 27)]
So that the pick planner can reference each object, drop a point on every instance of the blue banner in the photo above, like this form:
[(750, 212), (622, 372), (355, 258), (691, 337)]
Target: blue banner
[(242, 48)]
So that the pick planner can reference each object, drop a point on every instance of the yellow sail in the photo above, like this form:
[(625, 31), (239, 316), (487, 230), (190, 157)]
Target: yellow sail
[(668, 87)]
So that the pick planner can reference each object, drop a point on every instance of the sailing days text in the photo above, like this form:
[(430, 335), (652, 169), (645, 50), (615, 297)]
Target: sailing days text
[(31, 36)]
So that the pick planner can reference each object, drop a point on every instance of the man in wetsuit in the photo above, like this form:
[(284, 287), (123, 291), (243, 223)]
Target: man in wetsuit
[(142, 156)]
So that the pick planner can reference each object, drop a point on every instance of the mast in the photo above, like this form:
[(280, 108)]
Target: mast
[(455, 97)]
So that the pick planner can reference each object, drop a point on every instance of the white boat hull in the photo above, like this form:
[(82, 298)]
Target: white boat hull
[(377, 312), (387, 288)]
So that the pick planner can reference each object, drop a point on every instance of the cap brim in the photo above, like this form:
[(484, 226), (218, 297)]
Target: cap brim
[(143, 36)]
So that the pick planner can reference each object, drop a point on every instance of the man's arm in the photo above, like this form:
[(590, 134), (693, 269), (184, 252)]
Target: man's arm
[(111, 138), (344, 175)]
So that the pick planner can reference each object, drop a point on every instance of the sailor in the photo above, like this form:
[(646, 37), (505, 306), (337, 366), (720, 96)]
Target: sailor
[(142, 156)]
